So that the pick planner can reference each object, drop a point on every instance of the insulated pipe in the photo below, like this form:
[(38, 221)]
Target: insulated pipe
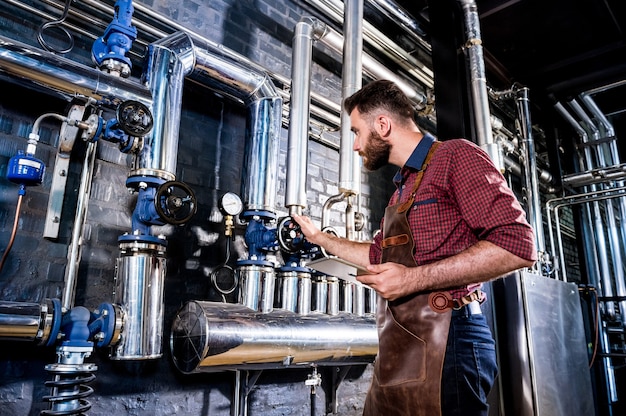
[(37, 68), (169, 61), (218, 70), (530, 168), (479, 93), (307, 30), (351, 81)]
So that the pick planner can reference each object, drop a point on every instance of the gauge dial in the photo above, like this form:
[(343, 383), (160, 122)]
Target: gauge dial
[(231, 204)]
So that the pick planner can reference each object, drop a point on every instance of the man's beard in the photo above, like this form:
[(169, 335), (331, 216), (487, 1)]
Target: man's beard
[(376, 153)]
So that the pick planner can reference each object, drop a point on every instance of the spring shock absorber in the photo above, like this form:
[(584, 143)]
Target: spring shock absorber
[(68, 388)]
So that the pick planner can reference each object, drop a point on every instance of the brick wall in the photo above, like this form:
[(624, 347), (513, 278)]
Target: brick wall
[(210, 161)]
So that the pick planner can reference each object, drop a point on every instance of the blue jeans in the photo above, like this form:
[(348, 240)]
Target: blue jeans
[(469, 368)]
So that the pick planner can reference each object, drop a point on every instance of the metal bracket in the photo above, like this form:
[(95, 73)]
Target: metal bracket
[(338, 374), (67, 138), (242, 390)]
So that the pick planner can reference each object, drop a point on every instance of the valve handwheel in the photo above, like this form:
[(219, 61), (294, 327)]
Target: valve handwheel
[(175, 202), (290, 236), (134, 118)]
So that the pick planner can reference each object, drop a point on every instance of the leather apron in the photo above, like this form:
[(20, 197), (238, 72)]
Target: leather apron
[(412, 336)]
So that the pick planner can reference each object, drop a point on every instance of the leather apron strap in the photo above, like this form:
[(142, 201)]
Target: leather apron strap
[(412, 336)]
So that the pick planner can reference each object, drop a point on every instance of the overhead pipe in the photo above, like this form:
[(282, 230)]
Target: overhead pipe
[(307, 31), (351, 81), (375, 69), (44, 71), (399, 15), (479, 94), (333, 9)]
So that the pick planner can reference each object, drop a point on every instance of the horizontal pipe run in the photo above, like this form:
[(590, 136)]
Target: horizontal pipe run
[(28, 321), (36, 69)]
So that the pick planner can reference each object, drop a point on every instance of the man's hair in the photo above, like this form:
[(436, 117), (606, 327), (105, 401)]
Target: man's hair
[(380, 94)]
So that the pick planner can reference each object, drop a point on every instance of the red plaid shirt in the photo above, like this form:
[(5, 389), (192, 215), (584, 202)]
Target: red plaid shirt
[(462, 199)]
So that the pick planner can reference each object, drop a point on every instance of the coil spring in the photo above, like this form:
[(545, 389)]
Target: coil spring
[(68, 389)]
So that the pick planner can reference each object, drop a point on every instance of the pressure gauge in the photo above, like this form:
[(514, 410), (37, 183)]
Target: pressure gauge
[(231, 204)]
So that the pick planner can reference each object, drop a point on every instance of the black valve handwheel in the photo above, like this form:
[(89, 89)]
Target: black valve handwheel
[(175, 202), (134, 118), (290, 236)]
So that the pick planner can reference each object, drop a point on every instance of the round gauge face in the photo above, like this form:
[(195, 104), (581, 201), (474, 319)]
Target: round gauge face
[(231, 203)]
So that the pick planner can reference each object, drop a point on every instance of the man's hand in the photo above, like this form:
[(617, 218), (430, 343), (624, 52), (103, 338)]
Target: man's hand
[(309, 229), (391, 280), (353, 251)]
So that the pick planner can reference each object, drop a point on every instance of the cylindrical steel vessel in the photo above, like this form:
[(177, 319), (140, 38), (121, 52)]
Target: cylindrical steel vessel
[(256, 283), (325, 294), (211, 336), (140, 274), (293, 291)]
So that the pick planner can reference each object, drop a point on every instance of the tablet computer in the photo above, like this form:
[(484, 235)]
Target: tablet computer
[(334, 266)]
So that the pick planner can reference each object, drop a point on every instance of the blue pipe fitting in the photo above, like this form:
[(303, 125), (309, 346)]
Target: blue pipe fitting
[(75, 327), (118, 37), (145, 214), (103, 322), (260, 239)]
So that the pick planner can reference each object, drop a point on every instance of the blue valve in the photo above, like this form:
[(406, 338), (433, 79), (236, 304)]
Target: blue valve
[(109, 50)]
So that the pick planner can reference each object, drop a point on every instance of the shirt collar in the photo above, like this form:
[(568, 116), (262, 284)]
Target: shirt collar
[(416, 160)]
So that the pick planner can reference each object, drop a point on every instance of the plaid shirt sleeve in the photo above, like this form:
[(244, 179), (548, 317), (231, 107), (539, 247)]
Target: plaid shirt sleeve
[(463, 198)]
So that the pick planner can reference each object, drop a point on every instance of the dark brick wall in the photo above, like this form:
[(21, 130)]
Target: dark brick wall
[(210, 161)]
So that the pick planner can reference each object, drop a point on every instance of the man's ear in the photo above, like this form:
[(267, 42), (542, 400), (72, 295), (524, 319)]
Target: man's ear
[(383, 125)]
